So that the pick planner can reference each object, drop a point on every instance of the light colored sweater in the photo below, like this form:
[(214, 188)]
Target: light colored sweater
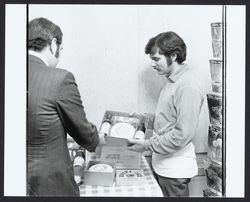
[(176, 121)]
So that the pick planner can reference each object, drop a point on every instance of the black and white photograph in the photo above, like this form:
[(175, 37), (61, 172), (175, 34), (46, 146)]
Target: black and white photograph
[(120, 100)]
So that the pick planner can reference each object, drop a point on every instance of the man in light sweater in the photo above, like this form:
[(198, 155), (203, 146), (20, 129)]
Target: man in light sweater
[(176, 117)]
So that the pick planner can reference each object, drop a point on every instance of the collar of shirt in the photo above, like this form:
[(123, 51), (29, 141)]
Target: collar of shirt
[(175, 76), (39, 55)]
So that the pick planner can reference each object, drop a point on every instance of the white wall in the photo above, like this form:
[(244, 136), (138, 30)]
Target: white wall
[(104, 48)]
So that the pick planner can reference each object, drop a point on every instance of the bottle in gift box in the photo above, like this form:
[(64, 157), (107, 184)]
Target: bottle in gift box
[(79, 162), (140, 133), (79, 159), (106, 125)]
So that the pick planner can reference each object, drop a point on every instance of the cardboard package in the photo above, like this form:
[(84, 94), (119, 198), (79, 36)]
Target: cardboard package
[(99, 178), (130, 177), (115, 150), (122, 157)]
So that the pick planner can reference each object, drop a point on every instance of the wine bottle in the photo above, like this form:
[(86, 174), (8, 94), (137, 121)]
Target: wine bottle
[(106, 125), (79, 159), (140, 133)]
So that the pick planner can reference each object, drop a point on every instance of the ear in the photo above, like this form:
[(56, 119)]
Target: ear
[(173, 57), (53, 46)]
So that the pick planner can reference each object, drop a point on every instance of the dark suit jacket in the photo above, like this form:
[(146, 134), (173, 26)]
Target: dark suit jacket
[(54, 109)]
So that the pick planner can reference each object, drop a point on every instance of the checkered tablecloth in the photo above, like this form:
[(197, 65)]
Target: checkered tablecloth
[(149, 188)]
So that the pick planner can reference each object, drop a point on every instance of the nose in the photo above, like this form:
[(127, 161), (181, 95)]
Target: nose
[(153, 63)]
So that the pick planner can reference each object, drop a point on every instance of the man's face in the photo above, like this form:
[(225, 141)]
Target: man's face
[(161, 63)]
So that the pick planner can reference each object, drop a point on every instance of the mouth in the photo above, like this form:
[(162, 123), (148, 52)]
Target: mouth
[(157, 69)]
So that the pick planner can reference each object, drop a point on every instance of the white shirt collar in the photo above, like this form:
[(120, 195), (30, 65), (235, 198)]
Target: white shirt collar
[(39, 55)]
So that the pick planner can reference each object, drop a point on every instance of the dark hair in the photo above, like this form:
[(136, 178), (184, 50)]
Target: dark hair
[(41, 32), (168, 43)]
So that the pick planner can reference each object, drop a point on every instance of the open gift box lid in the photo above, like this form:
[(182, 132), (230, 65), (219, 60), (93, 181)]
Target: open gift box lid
[(122, 157)]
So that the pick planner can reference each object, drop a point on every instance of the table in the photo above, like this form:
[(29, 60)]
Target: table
[(148, 189)]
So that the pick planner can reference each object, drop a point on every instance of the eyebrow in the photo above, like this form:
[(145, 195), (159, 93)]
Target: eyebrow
[(154, 57)]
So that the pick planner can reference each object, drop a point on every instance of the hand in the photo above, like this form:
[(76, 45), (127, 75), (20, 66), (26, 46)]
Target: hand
[(137, 145)]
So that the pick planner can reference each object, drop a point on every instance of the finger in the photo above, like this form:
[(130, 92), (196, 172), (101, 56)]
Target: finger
[(133, 141), (132, 148)]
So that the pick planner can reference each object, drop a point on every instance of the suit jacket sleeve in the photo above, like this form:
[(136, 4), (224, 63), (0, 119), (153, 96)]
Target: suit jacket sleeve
[(72, 114)]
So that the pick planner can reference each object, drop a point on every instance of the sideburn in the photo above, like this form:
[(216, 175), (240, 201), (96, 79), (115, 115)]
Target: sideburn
[(169, 61), (57, 51)]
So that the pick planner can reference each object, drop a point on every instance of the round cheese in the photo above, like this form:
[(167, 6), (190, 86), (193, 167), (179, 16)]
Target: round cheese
[(101, 167)]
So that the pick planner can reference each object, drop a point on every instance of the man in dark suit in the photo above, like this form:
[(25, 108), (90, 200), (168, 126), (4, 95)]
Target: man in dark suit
[(54, 109)]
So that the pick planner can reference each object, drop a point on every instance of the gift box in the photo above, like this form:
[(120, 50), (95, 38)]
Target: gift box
[(130, 177), (215, 144), (215, 109), (123, 126), (122, 157), (99, 176)]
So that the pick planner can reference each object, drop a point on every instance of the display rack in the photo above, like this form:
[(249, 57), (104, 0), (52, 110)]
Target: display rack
[(213, 170)]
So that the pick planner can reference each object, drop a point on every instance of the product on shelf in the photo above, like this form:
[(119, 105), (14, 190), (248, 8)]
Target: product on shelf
[(216, 75), (215, 144), (216, 32), (215, 109), (213, 168), (214, 177), (211, 193), (217, 48)]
